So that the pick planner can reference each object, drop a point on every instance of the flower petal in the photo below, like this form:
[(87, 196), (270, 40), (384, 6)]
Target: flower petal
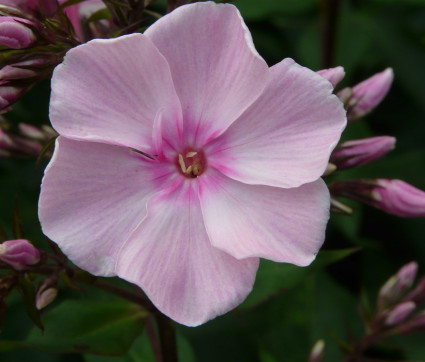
[(284, 225), (285, 138), (111, 90), (171, 258), (93, 196), (216, 70)]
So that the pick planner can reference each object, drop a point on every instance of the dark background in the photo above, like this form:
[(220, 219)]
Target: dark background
[(291, 308)]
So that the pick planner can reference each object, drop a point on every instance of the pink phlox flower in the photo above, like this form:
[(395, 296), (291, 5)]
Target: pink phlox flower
[(183, 158)]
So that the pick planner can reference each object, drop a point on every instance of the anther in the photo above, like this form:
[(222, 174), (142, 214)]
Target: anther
[(191, 154)]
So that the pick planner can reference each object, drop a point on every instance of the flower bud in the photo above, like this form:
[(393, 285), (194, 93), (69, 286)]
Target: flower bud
[(417, 295), (399, 313), (333, 75), (31, 131), (14, 33), (9, 95), (415, 324), (19, 253), (395, 197), (365, 96), (397, 286), (17, 71), (46, 293), (317, 352), (360, 152)]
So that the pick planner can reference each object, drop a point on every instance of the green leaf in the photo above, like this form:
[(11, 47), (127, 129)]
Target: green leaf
[(99, 15), (274, 278), (26, 288), (107, 328)]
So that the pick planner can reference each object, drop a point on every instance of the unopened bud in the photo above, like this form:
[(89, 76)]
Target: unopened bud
[(417, 295), (46, 294), (365, 96), (399, 313), (317, 352), (333, 75), (415, 324), (397, 286), (360, 152), (9, 95), (14, 33), (31, 131), (395, 197), (19, 253)]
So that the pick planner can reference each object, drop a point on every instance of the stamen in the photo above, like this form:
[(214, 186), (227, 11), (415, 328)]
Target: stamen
[(182, 164), (191, 154), (189, 170)]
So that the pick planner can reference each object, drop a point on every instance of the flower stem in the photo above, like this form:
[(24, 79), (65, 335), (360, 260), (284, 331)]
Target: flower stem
[(330, 10), (167, 338)]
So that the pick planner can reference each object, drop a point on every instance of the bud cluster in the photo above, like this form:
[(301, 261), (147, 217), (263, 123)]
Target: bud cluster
[(395, 197), (25, 141), (399, 310)]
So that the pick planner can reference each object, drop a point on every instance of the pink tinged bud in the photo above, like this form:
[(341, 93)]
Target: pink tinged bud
[(14, 34), (9, 95), (365, 96), (415, 324), (317, 352), (31, 131), (45, 296), (418, 294), (360, 152), (397, 286), (19, 253), (395, 197), (333, 75), (399, 313), (19, 71)]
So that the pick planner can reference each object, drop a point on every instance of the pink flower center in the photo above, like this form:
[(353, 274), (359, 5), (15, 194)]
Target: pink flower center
[(191, 163)]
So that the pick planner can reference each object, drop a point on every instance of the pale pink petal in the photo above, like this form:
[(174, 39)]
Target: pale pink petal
[(284, 225), (111, 90), (216, 70), (171, 258), (285, 138), (333, 75), (93, 196)]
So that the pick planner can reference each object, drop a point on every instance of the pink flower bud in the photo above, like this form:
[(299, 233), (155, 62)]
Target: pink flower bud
[(418, 294), (19, 70), (19, 253), (31, 131), (317, 352), (392, 196), (45, 297), (333, 75), (397, 286), (360, 152), (9, 95), (14, 33), (365, 96), (415, 324), (399, 313)]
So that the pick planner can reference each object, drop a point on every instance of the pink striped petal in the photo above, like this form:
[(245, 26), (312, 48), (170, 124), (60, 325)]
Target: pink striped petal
[(283, 225), (111, 90), (171, 258), (216, 70), (285, 138), (92, 196)]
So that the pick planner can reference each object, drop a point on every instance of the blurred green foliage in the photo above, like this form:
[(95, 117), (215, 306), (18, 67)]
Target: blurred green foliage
[(290, 308)]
